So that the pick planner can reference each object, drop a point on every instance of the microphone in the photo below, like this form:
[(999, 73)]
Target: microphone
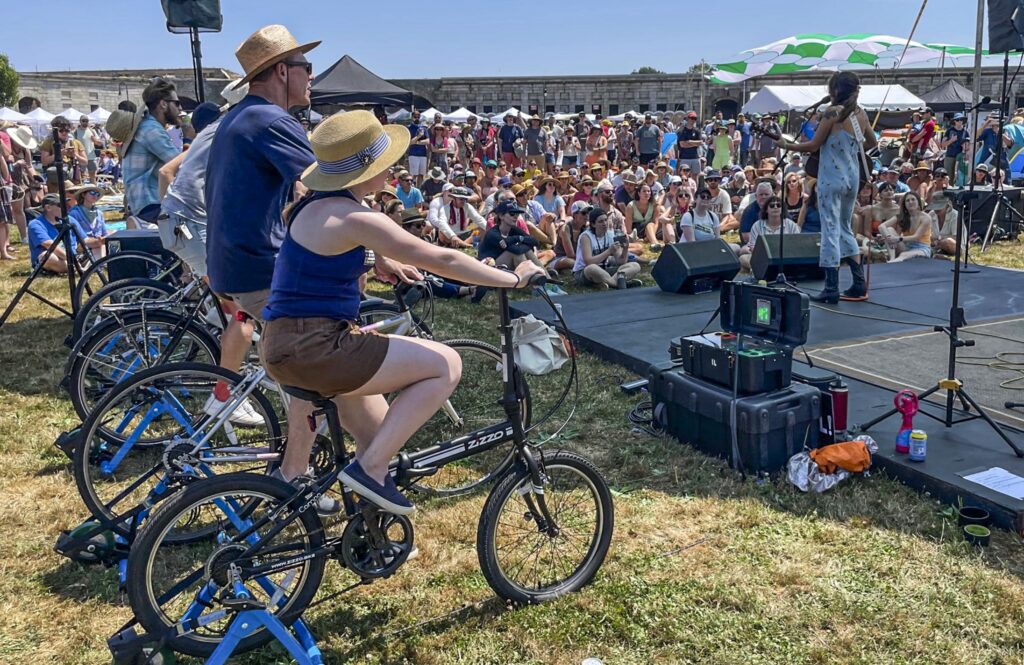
[(984, 100)]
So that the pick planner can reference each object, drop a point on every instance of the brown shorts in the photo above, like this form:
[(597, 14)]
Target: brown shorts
[(250, 302), (324, 355)]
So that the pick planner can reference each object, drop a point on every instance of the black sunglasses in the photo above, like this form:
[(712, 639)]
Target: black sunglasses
[(416, 225), (308, 66), (704, 196), (774, 205)]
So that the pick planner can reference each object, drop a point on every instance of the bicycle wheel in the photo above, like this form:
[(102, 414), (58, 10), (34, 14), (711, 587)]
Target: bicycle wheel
[(120, 346), (97, 275), (168, 582), (141, 443), (474, 405), (522, 559), (121, 292)]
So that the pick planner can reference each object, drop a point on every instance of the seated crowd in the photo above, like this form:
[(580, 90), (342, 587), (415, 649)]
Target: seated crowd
[(599, 208)]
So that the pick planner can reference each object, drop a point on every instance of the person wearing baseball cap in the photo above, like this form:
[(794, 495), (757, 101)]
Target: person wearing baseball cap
[(506, 244), (454, 219), (602, 256), (569, 236), (42, 231), (955, 141), (689, 138)]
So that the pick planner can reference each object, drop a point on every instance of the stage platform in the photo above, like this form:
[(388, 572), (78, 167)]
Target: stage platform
[(633, 328)]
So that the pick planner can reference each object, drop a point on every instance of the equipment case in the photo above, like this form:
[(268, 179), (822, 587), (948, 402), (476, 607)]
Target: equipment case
[(771, 427)]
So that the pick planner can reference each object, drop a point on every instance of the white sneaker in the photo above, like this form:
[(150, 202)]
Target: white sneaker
[(243, 415)]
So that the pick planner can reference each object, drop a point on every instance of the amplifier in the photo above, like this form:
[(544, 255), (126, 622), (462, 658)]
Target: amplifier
[(712, 357), (136, 240)]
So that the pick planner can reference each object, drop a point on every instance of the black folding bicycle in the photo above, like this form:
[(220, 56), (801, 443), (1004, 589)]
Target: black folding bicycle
[(545, 530)]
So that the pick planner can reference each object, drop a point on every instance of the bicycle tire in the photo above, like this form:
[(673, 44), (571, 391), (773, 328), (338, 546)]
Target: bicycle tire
[(470, 474), (90, 350), (142, 594), (510, 488), (99, 269), (95, 437), (90, 314)]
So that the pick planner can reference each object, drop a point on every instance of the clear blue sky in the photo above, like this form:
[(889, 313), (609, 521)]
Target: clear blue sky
[(431, 38)]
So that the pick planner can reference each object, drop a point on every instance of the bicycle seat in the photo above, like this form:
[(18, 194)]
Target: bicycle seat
[(307, 395)]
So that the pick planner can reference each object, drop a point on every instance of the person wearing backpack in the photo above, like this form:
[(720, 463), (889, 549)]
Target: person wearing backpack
[(699, 222)]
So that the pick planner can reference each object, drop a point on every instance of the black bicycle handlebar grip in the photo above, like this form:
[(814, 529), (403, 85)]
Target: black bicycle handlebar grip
[(538, 279)]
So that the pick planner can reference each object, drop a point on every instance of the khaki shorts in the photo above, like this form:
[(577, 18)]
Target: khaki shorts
[(323, 355), (250, 302)]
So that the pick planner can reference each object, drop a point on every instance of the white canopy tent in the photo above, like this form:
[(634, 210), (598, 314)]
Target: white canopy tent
[(500, 118), (72, 114), (99, 116), (10, 115), (782, 98), (622, 116), (461, 114), (39, 121), (427, 117), (399, 115), (569, 116)]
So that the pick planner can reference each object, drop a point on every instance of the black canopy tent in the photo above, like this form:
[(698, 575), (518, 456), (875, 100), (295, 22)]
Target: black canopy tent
[(951, 97), (348, 83)]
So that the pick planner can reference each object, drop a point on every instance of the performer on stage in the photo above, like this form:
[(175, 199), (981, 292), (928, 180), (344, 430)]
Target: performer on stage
[(840, 142)]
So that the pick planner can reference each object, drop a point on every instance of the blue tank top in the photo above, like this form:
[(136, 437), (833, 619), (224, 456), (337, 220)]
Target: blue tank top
[(307, 284)]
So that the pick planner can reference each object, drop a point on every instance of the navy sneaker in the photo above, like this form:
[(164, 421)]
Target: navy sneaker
[(384, 496)]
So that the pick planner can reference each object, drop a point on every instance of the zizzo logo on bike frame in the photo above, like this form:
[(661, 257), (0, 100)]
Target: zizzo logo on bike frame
[(484, 440)]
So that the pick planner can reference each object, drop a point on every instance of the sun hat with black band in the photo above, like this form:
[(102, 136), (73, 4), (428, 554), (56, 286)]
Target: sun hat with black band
[(412, 215), (351, 148), (268, 46)]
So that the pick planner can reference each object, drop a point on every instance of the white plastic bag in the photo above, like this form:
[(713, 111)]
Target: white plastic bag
[(538, 347)]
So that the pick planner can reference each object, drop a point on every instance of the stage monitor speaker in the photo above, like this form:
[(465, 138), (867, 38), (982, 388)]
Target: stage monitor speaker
[(136, 240), (184, 15), (800, 260), (1005, 25), (695, 267)]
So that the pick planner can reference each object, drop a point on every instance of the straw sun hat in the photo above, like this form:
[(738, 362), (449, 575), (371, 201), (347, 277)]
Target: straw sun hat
[(122, 125), (351, 148), (265, 47)]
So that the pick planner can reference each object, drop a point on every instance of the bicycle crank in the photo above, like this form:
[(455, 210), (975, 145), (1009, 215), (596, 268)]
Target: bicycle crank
[(375, 543)]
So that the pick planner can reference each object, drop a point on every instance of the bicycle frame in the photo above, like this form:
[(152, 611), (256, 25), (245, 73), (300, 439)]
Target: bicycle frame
[(405, 467)]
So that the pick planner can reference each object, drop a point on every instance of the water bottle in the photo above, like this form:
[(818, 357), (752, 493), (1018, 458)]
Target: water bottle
[(918, 445)]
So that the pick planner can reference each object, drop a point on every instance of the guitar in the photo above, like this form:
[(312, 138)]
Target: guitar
[(811, 164)]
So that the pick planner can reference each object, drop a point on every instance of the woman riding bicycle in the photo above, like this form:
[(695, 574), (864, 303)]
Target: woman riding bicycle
[(311, 341)]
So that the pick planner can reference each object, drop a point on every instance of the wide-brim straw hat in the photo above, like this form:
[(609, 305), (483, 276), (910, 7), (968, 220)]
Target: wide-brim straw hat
[(23, 137), (267, 46), (122, 125), (351, 148)]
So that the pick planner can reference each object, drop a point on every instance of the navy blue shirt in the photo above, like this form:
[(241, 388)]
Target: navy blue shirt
[(750, 217), (257, 155), (415, 131), (507, 135)]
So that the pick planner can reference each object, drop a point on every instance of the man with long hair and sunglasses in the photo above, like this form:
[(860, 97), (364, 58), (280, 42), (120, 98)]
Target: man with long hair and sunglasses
[(149, 148)]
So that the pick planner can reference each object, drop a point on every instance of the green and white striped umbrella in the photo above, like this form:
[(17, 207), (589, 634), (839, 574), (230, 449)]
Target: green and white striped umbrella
[(829, 52)]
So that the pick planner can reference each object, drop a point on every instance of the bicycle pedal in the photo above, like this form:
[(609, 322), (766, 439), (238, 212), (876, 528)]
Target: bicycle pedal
[(67, 442)]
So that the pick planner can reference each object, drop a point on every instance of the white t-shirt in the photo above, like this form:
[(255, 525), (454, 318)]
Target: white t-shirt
[(704, 226), (721, 205), (761, 228)]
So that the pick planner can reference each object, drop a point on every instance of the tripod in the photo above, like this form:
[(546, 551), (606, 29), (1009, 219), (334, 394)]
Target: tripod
[(64, 239), (953, 386)]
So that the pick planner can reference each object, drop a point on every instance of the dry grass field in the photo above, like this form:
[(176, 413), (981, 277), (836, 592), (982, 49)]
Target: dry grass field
[(704, 568)]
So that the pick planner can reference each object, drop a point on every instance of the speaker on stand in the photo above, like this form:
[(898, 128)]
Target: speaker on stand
[(695, 267), (193, 17)]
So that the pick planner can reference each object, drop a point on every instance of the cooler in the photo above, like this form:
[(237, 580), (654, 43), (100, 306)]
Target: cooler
[(771, 427)]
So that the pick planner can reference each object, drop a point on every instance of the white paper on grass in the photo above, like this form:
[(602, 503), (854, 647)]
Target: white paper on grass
[(999, 480)]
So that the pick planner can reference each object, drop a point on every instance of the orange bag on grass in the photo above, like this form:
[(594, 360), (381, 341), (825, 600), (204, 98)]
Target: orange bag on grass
[(853, 456)]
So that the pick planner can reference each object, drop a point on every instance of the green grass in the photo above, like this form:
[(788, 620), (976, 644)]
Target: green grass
[(704, 568)]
